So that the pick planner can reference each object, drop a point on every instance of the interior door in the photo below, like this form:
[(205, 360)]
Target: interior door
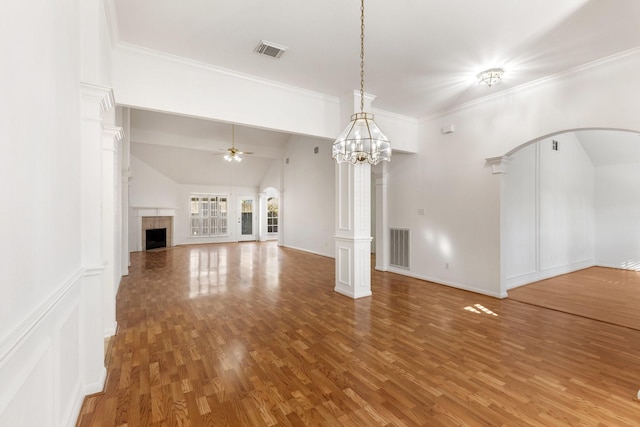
[(247, 218)]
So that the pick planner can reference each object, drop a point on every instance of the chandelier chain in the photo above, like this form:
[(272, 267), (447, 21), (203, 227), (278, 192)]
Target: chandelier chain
[(361, 56)]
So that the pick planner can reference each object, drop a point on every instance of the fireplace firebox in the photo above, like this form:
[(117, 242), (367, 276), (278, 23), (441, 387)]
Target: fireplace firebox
[(156, 238)]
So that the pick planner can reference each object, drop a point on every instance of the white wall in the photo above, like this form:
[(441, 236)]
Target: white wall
[(520, 208), (460, 199), (161, 82), (273, 177), (617, 201), (549, 225), (308, 198), (150, 188), (43, 317), (450, 179)]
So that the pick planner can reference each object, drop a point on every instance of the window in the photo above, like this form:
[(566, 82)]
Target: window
[(272, 215), (208, 215)]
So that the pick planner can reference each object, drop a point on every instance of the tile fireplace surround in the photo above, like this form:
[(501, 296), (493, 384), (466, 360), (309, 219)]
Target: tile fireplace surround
[(150, 218)]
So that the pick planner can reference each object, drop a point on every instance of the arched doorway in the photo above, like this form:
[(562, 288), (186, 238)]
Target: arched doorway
[(270, 218), (569, 201)]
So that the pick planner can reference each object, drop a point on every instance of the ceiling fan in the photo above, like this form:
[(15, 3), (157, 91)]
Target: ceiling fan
[(233, 153)]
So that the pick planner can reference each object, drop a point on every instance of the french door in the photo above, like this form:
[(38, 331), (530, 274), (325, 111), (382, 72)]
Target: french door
[(247, 213)]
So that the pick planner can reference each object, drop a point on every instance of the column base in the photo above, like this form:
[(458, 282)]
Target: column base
[(353, 266)]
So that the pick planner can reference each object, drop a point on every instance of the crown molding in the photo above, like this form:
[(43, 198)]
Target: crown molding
[(112, 22), (538, 82), (220, 70)]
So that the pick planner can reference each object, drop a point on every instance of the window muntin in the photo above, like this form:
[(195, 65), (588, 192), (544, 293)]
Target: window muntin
[(272, 215), (208, 214)]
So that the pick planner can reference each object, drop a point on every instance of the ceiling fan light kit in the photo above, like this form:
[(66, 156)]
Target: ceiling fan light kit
[(233, 153)]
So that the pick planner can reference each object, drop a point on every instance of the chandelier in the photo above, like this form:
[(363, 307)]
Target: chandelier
[(362, 140)]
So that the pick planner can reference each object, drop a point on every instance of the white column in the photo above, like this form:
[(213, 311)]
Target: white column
[(499, 166), (353, 230), (125, 167), (262, 228), (95, 101), (353, 216), (111, 233), (382, 227), (281, 220)]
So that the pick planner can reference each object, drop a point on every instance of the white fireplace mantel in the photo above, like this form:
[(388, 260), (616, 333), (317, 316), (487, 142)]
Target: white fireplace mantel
[(148, 211)]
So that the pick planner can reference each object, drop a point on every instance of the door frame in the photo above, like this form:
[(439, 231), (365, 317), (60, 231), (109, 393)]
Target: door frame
[(254, 214)]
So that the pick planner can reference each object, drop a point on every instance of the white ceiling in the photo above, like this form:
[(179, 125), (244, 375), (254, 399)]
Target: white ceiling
[(191, 151), (422, 57), (607, 147)]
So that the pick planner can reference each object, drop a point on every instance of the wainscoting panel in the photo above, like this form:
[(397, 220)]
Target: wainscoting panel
[(41, 363)]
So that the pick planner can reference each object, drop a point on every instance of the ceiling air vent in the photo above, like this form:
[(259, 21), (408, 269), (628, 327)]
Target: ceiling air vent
[(270, 49)]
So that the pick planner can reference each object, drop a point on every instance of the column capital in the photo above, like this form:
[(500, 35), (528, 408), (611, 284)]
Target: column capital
[(96, 100), (112, 135), (499, 164)]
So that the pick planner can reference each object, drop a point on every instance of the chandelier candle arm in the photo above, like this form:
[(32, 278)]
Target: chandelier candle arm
[(362, 140)]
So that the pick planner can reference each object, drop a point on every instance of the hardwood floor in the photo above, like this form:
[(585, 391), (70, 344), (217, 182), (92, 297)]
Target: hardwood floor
[(605, 294), (253, 335)]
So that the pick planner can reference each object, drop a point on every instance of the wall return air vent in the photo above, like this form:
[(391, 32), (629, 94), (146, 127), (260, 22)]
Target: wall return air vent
[(270, 49), (400, 246)]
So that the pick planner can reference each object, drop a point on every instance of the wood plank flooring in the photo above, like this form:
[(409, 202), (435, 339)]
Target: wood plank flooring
[(253, 335), (606, 294)]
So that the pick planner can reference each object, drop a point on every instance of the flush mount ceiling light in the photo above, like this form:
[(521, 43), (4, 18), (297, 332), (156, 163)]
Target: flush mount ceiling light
[(491, 77), (362, 140)]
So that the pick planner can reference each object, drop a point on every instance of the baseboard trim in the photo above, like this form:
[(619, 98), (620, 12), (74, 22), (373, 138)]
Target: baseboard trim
[(96, 387), (308, 251), (524, 279), (448, 283)]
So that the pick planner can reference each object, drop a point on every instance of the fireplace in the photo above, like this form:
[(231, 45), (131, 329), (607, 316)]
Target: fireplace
[(151, 224), (156, 238)]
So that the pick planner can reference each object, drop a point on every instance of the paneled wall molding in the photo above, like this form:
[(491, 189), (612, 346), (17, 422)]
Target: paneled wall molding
[(499, 164), (22, 332), (56, 348), (95, 270)]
